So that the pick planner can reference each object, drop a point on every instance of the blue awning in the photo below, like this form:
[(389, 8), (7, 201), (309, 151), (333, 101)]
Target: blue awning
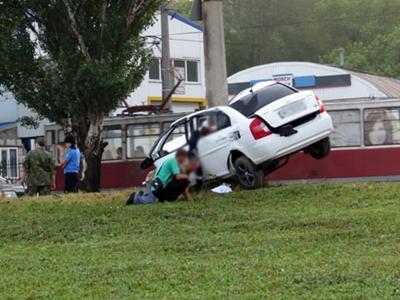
[(8, 124)]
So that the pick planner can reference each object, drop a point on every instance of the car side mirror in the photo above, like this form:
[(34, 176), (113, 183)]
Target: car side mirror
[(146, 163)]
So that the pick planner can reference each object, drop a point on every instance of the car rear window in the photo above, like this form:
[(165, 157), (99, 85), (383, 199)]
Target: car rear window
[(250, 104)]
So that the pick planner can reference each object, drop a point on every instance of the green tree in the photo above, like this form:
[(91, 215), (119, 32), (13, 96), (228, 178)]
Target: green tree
[(368, 31), (380, 56), (184, 7), (260, 32), (73, 61)]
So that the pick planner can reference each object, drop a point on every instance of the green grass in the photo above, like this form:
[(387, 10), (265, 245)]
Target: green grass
[(296, 242)]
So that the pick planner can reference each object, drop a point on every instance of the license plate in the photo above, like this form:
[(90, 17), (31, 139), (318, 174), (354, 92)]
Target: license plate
[(291, 109)]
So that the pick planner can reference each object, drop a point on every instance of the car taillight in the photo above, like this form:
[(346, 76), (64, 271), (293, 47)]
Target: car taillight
[(259, 129), (321, 105)]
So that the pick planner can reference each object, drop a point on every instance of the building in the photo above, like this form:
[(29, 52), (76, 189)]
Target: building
[(187, 55), (11, 148), (329, 83)]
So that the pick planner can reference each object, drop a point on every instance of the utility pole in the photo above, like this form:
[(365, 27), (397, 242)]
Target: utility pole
[(341, 57), (211, 12), (166, 66)]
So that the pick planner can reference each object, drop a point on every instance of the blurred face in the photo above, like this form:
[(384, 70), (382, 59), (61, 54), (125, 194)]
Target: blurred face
[(377, 136), (68, 145), (181, 159), (193, 165)]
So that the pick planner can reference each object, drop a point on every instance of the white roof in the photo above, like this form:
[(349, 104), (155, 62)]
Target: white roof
[(363, 85)]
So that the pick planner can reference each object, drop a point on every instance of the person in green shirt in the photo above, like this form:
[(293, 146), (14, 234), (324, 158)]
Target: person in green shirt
[(39, 170), (168, 184)]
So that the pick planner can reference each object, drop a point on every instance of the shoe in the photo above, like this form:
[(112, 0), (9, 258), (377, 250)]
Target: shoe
[(131, 199)]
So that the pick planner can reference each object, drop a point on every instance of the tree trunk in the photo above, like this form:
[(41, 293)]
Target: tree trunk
[(92, 147)]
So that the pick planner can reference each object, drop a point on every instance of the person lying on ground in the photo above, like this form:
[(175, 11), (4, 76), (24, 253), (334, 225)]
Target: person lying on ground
[(168, 184)]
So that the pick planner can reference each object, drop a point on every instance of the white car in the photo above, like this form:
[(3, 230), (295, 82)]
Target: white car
[(9, 190), (252, 136)]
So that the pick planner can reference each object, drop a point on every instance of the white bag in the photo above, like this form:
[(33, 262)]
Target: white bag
[(222, 189)]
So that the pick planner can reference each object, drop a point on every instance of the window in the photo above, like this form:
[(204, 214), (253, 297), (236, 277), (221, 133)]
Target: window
[(334, 80), (251, 103), (381, 126), (347, 124), (155, 70), (9, 163), (180, 69), (192, 71), (176, 139), (179, 64), (61, 136), (50, 141), (50, 137), (236, 88), (141, 139), (113, 136), (212, 121)]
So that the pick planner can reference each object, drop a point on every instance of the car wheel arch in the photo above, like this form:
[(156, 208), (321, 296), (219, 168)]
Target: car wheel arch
[(233, 156)]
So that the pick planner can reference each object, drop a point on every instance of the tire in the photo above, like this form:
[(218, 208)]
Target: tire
[(321, 149), (248, 174)]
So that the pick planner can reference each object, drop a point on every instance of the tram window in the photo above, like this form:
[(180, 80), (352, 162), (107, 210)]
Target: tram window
[(382, 126), (347, 124), (113, 136), (141, 139)]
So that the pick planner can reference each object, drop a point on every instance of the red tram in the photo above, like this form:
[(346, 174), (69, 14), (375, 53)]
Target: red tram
[(366, 146)]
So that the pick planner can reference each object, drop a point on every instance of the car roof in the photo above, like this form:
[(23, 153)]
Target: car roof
[(258, 86)]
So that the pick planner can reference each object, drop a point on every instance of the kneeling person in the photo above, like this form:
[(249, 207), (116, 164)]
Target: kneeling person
[(168, 184)]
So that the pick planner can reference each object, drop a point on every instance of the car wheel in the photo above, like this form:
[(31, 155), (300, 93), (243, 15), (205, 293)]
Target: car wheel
[(248, 174), (321, 149)]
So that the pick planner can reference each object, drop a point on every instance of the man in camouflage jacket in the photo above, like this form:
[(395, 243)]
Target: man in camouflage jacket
[(39, 170)]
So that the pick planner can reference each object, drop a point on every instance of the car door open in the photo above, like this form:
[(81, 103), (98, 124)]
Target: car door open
[(214, 147), (174, 139)]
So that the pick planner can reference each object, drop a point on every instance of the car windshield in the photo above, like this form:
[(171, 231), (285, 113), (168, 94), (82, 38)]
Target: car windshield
[(251, 103)]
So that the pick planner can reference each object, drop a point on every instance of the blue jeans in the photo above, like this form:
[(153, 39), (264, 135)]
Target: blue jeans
[(145, 198)]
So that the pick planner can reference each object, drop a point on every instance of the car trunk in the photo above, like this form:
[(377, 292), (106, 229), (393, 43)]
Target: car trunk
[(288, 110)]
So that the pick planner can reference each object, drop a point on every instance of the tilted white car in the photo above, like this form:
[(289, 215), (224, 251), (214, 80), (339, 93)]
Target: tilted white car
[(252, 136)]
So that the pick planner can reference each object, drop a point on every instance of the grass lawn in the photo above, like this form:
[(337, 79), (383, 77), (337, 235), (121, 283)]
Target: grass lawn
[(293, 242)]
